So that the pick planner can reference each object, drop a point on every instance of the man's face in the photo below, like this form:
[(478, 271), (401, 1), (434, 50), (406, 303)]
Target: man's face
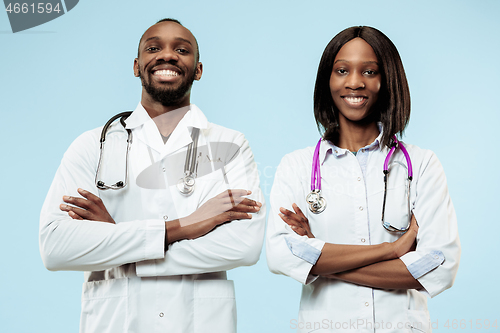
[(167, 63)]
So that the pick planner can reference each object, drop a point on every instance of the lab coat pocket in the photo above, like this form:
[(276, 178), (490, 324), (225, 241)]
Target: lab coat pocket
[(214, 306), (418, 321), (317, 321), (104, 306)]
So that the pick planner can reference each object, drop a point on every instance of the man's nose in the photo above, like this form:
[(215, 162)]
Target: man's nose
[(167, 55)]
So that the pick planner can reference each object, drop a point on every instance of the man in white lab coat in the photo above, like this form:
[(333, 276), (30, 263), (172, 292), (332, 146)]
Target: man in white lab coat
[(155, 259)]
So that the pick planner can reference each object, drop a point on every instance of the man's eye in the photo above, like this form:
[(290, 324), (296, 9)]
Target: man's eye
[(182, 51), (152, 49)]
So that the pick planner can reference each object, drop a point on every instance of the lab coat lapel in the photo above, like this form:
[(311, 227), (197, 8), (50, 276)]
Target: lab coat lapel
[(146, 130), (181, 136)]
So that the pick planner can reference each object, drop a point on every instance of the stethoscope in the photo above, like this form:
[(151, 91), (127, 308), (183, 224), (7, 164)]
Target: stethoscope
[(185, 185), (317, 203)]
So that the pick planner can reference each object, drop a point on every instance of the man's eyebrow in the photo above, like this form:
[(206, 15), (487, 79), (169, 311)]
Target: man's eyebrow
[(177, 38), (151, 38), (184, 40)]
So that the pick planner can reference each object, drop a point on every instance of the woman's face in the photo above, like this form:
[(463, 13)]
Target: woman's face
[(355, 80)]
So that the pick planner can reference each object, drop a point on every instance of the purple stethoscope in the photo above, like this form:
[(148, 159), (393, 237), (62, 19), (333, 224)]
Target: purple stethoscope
[(317, 203)]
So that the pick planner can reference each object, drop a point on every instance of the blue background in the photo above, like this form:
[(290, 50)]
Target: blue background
[(260, 61)]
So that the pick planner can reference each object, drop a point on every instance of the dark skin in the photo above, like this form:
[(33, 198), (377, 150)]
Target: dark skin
[(167, 58), (228, 206), (354, 84), (375, 266)]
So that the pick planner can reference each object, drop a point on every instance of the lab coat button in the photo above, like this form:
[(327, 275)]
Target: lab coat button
[(362, 150), (367, 304), (165, 217), (363, 240), (163, 169), (161, 314), (360, 208), (359, 179)]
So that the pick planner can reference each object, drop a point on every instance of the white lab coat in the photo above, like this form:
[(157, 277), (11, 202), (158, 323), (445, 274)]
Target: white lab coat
[(353, 187), (131, 284)]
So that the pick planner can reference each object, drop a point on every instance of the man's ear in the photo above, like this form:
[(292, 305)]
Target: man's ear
[(198, 71), (136, 67)]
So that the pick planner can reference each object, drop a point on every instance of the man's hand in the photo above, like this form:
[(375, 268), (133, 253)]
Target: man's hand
[(228, 206), (90, 207), (297, 221)]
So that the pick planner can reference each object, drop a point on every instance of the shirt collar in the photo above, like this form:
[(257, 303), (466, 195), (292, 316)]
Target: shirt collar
[(193, 118), (329, 148)]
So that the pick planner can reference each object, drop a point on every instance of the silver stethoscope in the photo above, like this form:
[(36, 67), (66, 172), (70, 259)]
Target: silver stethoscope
[(317, 203), (185, 185)]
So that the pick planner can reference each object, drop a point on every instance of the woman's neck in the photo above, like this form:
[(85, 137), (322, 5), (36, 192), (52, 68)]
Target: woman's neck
[(354, 136)]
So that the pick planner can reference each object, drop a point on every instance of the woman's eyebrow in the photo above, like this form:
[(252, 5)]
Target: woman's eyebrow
[(364, 62)]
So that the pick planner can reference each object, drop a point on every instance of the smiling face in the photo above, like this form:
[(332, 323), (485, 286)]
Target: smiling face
[(167, 64), (355, 81)]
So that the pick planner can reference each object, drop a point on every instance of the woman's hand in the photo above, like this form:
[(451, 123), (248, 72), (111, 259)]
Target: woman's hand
[(90, 207), (297, 221), (407, 242)]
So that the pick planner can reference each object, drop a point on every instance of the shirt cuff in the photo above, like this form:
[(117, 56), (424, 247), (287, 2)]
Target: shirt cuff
[(308, 251), (303, 250), (155, 239), (418, 267)]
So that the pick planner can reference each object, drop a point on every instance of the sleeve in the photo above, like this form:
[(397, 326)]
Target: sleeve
[(288, 253), (234, 244), (67, 244), (435, 262)]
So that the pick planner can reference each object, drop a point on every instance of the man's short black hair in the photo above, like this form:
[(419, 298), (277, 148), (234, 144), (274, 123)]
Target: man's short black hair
[(179, 23)]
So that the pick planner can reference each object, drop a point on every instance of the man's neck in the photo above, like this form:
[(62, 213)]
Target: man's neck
[(168, 120), (166, 117)]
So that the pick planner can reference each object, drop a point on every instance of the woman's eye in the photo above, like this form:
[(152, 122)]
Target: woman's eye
[(370, 72), (341, 71)]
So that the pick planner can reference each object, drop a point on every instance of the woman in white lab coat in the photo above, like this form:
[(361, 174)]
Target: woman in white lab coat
[(356, 275)]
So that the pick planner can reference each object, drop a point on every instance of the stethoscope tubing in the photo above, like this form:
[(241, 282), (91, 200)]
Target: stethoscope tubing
[(317, 202), (187, 182), (120, 184)]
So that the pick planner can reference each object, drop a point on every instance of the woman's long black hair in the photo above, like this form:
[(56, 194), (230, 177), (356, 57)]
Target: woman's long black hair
[(393, 105)]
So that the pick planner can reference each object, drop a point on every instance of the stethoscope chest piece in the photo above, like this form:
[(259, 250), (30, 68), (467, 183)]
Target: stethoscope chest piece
[(317, 204), (186, 185)]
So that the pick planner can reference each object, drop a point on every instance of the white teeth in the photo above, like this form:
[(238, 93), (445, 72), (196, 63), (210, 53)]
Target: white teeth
[(166, 72), (354, 99)]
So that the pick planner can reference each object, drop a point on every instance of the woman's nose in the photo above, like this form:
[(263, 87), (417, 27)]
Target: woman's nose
[(355, 81)]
